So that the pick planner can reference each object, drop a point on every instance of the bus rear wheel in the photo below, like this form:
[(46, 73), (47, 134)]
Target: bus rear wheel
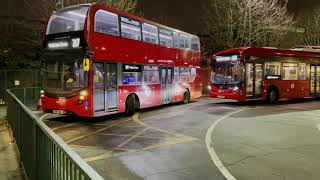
[(186, 97), (131, 105), (272, 96)]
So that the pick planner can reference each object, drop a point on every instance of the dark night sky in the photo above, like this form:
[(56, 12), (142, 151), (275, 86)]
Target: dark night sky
[(185, 14)]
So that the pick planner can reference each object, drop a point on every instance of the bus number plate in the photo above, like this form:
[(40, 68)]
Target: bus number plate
[(221, 97), (60, 112)]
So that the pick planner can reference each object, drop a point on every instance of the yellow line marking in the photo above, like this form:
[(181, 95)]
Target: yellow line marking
[(65, 126), (111, 125), (137, 120), (164, 144), (147, 137), (98, 157), (132, 137)]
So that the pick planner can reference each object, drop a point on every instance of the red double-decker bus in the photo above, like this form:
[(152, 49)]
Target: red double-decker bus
[(265, 73), (99, 61)]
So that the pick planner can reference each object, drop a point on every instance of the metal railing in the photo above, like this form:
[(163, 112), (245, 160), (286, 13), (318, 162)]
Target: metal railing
[(43, 154), (18, 79), (28, 96)]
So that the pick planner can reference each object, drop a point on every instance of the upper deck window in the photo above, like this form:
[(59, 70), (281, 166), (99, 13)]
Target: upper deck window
[(67, 20), (130, 29), (195, 43), (106, 22), (175, 40), (184, 41), (150, 33), (165, 38)]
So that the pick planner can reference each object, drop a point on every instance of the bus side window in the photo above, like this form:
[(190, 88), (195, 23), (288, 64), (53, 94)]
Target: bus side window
[(195, 43), (176, 74), (150, 33), (165, 37), (175, 40), (184, 41), (106, 22), (130, 29)]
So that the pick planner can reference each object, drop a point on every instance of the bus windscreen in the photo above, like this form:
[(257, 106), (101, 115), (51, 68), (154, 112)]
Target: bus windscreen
[(67, 20)]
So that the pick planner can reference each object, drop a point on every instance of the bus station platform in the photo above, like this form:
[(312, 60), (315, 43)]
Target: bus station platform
[(10, 167)]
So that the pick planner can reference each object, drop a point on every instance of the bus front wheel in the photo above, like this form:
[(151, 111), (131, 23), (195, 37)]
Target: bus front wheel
[(186, 97), (272, 96), (131, 104)]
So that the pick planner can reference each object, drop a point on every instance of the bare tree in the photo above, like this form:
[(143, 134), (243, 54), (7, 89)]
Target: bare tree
[(124, 5), (309, 28), (241, 23)]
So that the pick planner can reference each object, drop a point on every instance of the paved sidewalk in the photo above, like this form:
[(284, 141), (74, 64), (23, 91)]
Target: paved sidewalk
[(9, 166)]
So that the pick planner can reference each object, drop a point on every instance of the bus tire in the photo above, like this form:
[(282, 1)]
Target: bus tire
[(272, 95), (132, 104), (186, 97)]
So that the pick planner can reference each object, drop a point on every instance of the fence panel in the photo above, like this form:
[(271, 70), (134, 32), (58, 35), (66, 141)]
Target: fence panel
[(10, 79), (43, 154)]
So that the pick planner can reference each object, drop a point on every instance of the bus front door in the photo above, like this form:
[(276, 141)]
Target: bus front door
[(111, 87), (98, 87), (166, 84), (315, 79), (254, 77)]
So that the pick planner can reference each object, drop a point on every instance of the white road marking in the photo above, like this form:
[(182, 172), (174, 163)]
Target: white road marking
[(44, 116), (213, 154)]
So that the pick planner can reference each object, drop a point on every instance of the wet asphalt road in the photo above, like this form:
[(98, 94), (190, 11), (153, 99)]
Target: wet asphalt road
[(252, 140)]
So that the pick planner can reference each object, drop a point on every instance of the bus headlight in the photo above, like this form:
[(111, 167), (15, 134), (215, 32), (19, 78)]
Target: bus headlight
[(236, 88), (84, 93), (209, 88), (81, 99)]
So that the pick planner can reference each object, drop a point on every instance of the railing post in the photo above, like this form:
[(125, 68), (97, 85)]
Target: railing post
[(34, 147)]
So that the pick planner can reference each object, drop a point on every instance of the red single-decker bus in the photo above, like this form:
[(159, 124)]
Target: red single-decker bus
[(265, 73)]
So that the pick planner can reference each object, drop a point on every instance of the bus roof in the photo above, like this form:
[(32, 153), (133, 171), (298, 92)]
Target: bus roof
[(122, 13), (270, 52)]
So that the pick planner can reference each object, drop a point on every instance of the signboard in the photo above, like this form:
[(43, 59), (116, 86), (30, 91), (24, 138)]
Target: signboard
[(131, 68), (273, 77), (227, 58)]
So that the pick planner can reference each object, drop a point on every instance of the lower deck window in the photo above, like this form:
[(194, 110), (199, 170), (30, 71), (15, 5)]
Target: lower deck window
[(184, 74), (290, 71), (132, 74), (151, 75), (132, 78)]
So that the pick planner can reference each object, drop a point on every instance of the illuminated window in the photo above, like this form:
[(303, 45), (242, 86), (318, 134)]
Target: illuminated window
[(150, 33), (175, 40), (195, 43), (290, 71), (130, 29), (184, 74), (193, 72), (302, 71), (106, 22), (132, 74), (176, 75), (151, 75), (273, 70), (165, 38), (184, 41)]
